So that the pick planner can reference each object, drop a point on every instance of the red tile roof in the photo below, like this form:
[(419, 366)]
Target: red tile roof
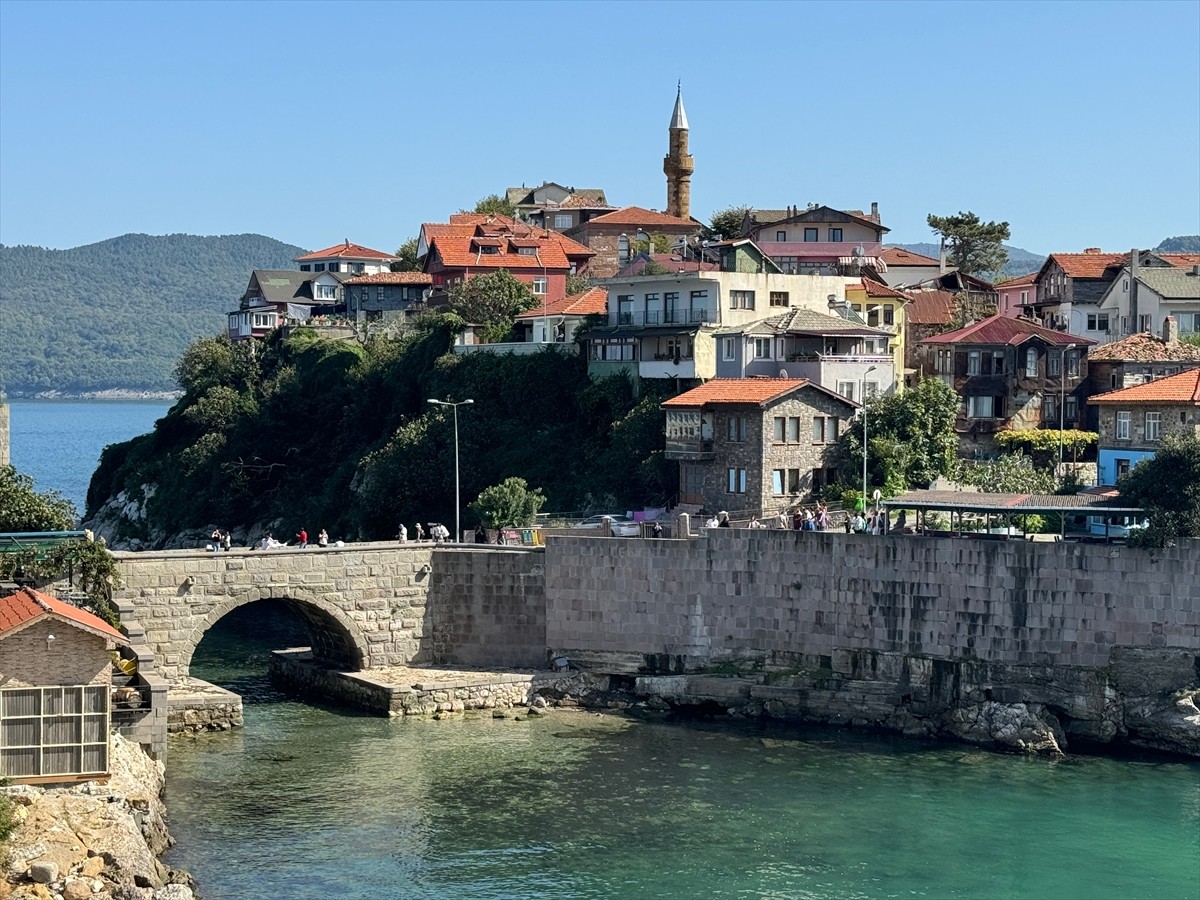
[(897, 256), (929, 307), (1145, 347), (1090, 264), (27, 606), (1017, 282), (875, 289), (346, 250), (457, 243), (391, 278), (1000, 329), (1181, 260), (1181, 388), (635, 216), (591, 301), (742, 391)]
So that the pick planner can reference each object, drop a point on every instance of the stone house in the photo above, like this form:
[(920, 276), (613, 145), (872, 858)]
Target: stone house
[(754, 446), (385, 296), (1011, 374), (927, 313), (1134, 420), (56, 669), (818, 239), (1135, 360), (612, 236)]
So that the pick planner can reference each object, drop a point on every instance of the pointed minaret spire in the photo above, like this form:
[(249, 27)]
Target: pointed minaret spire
[(678, 164)]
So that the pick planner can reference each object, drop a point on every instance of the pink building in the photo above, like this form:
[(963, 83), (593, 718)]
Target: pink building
[(1014, 293)]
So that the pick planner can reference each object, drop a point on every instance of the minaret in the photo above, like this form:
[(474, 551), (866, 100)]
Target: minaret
[(678, 163)]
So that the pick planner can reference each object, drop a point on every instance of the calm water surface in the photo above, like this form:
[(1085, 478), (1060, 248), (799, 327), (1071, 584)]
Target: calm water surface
[(310, 802), (58, 442)]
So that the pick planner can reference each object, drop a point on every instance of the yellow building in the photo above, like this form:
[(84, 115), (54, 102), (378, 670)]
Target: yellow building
[(882, 307)]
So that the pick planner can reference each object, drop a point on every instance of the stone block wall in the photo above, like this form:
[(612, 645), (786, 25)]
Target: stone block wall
[(776, 595), (487, 608), (28, 658)]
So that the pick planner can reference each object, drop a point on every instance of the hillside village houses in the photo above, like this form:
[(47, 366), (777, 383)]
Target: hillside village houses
[(1134, 420), (806, 307)]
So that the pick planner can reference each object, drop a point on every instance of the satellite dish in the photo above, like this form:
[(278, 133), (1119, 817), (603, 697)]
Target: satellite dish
[(783, 373), (860, 250)]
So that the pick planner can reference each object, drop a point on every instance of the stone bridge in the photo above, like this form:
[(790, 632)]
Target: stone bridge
[(366, 606)]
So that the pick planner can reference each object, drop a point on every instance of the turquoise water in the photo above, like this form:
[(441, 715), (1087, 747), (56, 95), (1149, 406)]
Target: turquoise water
[(58, 442), (309, 802)]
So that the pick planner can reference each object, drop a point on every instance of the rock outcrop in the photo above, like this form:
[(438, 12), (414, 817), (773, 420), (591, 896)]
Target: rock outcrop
[(98, 840)]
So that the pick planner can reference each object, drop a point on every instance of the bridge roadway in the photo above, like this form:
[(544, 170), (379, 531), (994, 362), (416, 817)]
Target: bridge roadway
[(366, 606)]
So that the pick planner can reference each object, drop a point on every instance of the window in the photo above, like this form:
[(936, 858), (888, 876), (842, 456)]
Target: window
[(699, 308), (998, 362), (1024, 297), (1050, 408), (326, 292), (780, 424), (1053, 364), (737, 429), (779, 298), (1072, 365), (973, 358), (835, 235), (1124, 419), (736, 480), (781, 236), (870, 389), (793, 429), (727, 349), (980, 407), (335, 267), (263, 320), (777, 476), (357, 267), (789, 265), (1031, 362), (527, 251), (741, 299), (1143, 323), (811, 235), (781, 478), (818, 429), (793, 481), (319, 267), (824, 429), (625, 309), (379, 293), (1122, 467), (762, 348), (54, 731), (833, 427), (562, 220), (539, 285), (1071, 411), (305, 267), (1097, 321), (889, 315), (671, 307), (1153, 426), (846, 389)]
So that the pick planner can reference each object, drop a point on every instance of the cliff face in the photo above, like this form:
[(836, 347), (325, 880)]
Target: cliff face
[(95, 840)]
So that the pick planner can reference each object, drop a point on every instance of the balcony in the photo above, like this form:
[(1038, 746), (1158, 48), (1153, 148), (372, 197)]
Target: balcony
[(669, 368), (672, 317), (689, 450), (819, 249)]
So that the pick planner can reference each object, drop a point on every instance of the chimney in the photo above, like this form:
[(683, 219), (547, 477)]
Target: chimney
[(942, 257), (1133, 291), (1170, 330), (874, 212), (1092, 250)]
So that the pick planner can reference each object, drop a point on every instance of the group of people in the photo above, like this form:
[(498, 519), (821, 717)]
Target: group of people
[(221, 540), (437, 533)]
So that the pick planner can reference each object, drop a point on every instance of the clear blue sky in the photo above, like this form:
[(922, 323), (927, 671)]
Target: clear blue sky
[(1078, 123)]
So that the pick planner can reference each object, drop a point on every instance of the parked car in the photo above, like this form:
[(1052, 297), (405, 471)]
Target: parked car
[(622, 526)]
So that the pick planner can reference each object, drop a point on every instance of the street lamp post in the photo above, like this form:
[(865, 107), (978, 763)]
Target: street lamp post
[(1062, 401), (457, 503), (864, 410)]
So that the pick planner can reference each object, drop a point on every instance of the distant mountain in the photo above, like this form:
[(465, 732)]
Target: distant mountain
[(117, 314), (1020, 262), (1185, 243)]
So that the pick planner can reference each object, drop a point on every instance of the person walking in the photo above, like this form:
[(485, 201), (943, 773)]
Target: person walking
[(419, 532), (302, 538), (822, 516)]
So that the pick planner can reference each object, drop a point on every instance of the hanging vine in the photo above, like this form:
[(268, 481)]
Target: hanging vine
[(88, 563)]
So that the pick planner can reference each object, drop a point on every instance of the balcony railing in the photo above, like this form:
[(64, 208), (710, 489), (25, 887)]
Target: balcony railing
[(817, 249), (673, 317)]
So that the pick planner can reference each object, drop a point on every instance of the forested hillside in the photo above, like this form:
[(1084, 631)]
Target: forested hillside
[(338, 435), (1020, 262), (118, 314)]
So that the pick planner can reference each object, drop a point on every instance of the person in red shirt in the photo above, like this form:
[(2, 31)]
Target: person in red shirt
[(302, 538)]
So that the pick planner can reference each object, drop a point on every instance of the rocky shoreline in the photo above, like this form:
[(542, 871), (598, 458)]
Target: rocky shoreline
[(107, 394), (94, 840)]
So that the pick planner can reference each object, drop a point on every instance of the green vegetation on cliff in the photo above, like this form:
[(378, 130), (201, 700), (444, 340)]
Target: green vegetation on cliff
[(117, 314), (337, 435)]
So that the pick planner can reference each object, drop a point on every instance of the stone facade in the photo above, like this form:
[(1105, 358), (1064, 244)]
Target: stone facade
[(29, 659)]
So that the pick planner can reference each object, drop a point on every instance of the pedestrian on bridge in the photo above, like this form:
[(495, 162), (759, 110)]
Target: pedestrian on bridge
[(302, 538)]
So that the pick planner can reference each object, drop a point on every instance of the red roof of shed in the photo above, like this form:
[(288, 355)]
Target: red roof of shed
[(27, 606)]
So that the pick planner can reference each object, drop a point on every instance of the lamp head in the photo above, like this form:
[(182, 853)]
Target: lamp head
[(435, 402), (468, 400)]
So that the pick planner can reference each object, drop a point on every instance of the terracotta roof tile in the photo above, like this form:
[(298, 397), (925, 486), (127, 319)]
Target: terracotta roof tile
[(755, 391), (1088, 265), (1181, 388), (346, 250), (391, 278), (897, 256), (458, 243), (1145, 347), (875, 289), (1184, 260), (593, 301), (27, 605), (1001, 329), (646, 218), (1017, 282)]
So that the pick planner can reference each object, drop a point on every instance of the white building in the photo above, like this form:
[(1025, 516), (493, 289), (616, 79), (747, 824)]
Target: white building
[(1157, 292)]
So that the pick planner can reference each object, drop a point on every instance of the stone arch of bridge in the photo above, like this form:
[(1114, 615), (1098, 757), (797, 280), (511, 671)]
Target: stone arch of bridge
[(337, 640)]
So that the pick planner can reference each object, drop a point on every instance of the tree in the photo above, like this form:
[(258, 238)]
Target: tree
[(22, 508), (216, 362), (407, 253), (1167, 486), (492, 301), (1043, 443), (651, 267), (1012, 473), (508, 503), (494, 204), (726, 223), (658, 243), (974, 246), (912, 438), (577, 284)]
